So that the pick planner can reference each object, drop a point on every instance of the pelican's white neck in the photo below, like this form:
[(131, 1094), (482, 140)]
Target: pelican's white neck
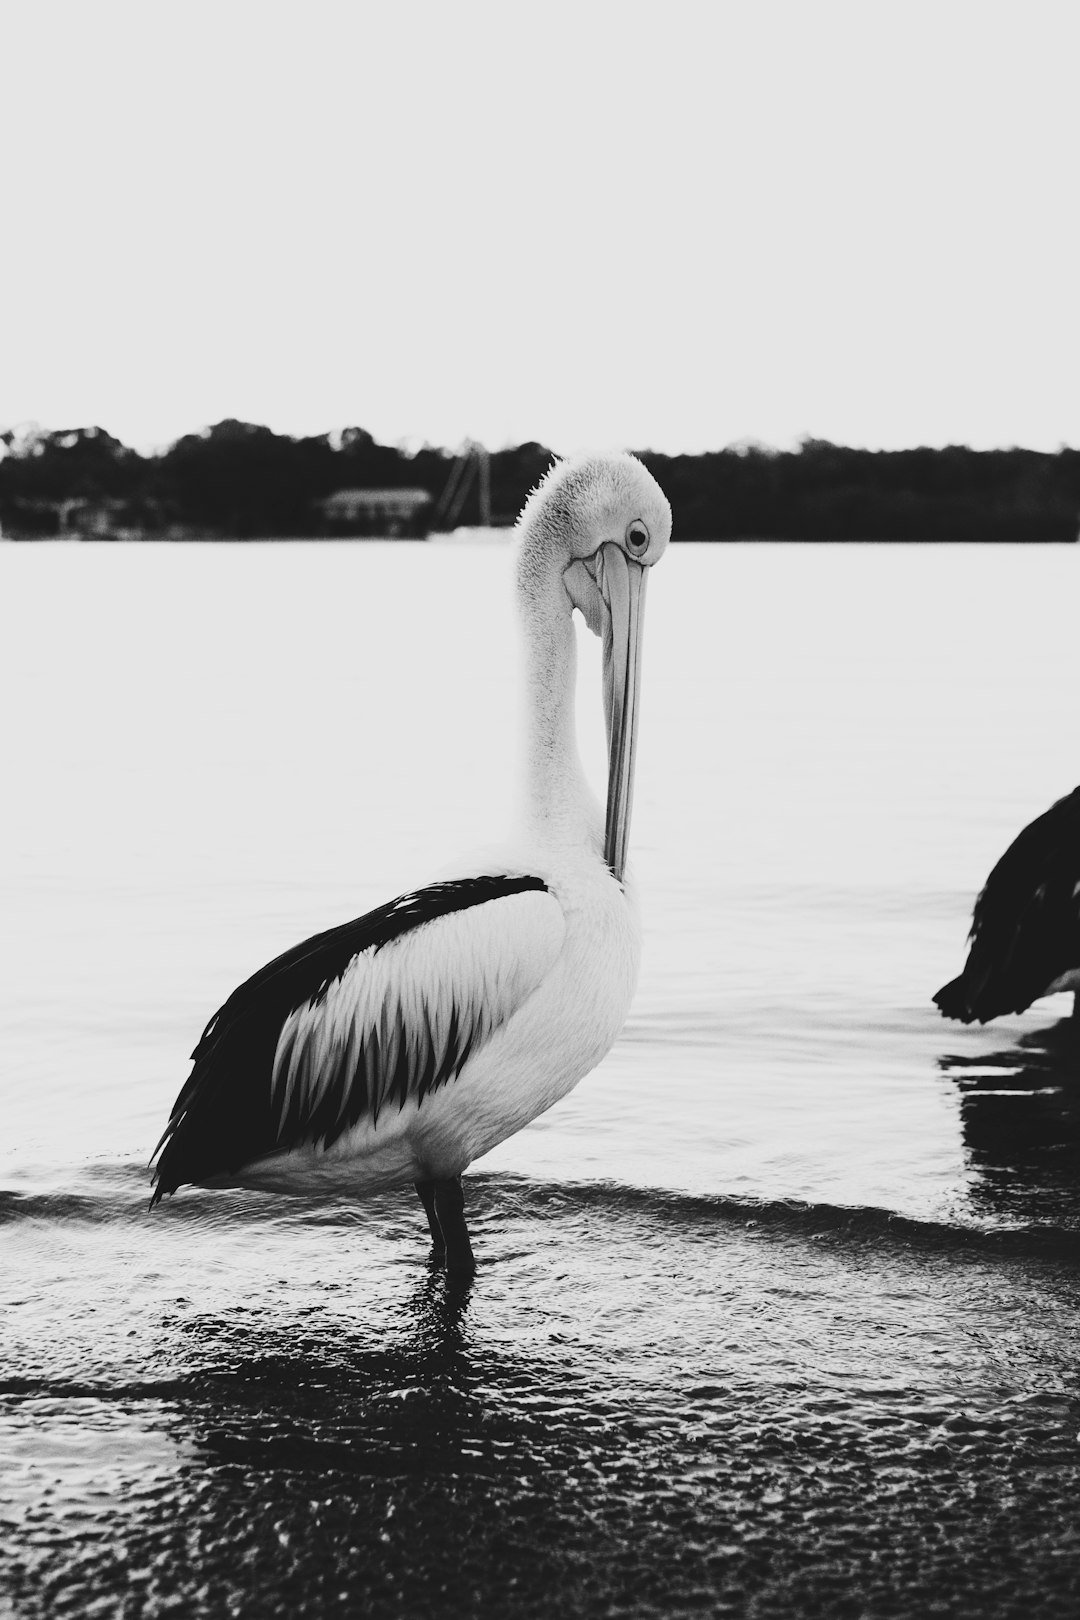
[(561, 811)]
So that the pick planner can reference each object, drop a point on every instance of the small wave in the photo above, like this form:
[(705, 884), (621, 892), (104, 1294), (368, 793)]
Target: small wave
[(15, 1206), (121, 1194), (97, 1191), (74, 1389), (797, 1217)]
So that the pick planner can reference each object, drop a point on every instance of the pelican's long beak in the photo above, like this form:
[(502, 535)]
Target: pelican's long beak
[(622, 584)]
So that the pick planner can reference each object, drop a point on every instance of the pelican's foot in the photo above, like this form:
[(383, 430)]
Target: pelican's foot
[(463, 1264)]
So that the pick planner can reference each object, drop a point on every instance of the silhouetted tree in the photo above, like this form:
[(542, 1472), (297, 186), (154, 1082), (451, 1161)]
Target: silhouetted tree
[(71, 463)]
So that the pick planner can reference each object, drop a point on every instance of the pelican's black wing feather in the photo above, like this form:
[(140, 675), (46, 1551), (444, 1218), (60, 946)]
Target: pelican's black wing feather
[(1025, 932), (224, 1116)]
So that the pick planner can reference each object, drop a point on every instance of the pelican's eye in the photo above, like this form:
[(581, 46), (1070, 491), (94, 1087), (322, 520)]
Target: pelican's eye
[(637, 538)]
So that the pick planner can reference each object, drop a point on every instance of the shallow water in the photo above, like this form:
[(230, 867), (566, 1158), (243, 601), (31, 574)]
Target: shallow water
[(776, 1312)]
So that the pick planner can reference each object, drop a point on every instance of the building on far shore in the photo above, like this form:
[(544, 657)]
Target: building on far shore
[(395, 514)]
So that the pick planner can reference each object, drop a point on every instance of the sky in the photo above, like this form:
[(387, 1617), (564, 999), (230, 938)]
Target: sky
[(668, 225)]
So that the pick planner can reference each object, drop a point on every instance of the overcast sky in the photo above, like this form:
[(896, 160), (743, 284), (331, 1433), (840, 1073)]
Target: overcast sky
[(672, 225)]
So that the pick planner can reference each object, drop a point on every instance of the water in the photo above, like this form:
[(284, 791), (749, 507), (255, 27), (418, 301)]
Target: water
[(776, 1312)]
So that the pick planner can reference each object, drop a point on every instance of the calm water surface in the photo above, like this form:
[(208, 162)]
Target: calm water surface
[(776, 1313)]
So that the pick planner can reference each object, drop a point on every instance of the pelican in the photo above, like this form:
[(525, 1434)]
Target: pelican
[(401, 1046), (1025, 933)]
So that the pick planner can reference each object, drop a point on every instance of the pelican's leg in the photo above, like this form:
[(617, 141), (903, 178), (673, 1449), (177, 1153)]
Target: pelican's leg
[(426, 1192), (450, 1213)]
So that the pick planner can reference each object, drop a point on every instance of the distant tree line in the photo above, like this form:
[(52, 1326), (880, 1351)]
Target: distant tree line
[(823, 491), (240, 480)]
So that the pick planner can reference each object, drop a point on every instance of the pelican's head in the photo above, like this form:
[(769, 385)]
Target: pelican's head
[(596, 525)]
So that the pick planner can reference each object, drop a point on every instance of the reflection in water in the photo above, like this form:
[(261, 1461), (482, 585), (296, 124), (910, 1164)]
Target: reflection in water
[(1020, 1112), (440, 1475), (284, 1398)]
